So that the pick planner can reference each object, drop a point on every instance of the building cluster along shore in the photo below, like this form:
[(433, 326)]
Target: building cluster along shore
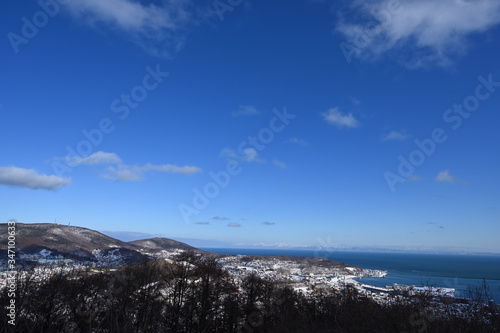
[(303, 274), (308, 276)]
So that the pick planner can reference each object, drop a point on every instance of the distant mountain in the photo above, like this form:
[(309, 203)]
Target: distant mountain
[(80, 243), (158, 244)]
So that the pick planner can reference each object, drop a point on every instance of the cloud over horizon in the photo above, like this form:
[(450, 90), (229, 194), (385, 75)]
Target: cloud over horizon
[(128, 236), (29, 178)]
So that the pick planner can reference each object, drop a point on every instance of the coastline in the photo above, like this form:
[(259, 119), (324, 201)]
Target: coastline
[(444, 271)]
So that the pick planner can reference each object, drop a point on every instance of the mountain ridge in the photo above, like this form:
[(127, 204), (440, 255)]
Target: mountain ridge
[(161, 243), (80, 242)]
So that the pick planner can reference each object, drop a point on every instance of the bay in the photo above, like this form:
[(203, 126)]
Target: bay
[(461, 272)]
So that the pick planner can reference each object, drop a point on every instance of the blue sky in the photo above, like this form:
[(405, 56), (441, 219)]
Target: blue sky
[(250, 123)]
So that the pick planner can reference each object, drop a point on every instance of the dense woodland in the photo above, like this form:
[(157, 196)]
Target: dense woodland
[(193, 294)]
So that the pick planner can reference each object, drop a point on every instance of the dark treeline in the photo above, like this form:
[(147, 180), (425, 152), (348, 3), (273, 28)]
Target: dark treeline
[(193, 294)]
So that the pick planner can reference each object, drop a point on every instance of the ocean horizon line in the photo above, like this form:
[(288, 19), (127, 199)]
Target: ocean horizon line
[(357, 250)]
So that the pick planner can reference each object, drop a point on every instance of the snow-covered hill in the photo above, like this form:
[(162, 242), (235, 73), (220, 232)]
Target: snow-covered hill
[(82, 244)]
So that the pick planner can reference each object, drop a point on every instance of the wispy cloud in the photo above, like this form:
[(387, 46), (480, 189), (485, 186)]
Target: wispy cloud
[(424, 31), (233, 225), (268, 223), (250, 154), (29, 178), (125, 172), (221, 218), (395, 135), (246, 110), (247, 154), (337, 118), (279, 164), (414, 178), (159, 28), (121, 172), (355, 101), (99, 157), (297, 141), (128, 236), (273, 245), (202, 223), (169, 168), (437, 226)]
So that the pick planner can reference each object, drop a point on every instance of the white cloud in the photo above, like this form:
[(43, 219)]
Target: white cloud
[(169, 168), (247, 154), (149, 25), (279, 164), (355, 101), (445, 177), (297, 141), (228, 152), (99, 157), (429, 31), (123, 172), (246, 110), (221, 218), (29, 178), (250, 154), (233, 225), (395, 135), (335, 117), (414, 178)]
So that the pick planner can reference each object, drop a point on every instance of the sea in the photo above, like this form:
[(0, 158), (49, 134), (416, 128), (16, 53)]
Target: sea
[(463, 272)]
